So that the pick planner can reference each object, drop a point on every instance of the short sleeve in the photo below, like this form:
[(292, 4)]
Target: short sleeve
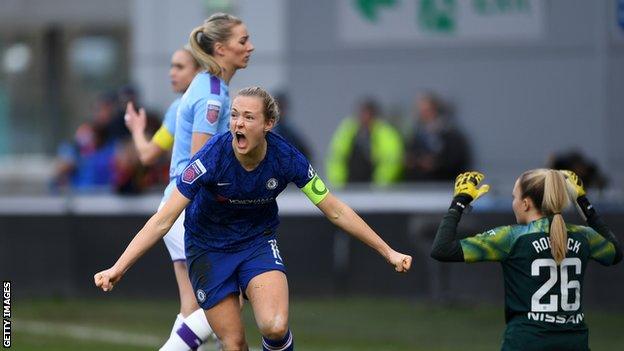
[(600, 249), (169, 122), (198, 173), (206, 112), (301, 171), (492, 245)]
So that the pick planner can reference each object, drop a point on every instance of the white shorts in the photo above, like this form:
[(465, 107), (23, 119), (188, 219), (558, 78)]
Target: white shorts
[(174, 240)]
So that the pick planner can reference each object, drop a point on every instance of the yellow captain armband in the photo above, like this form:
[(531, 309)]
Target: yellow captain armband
[(163, 138), (315, 190)]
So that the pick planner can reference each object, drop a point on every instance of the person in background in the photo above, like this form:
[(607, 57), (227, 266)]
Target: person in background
[(437, 150), (86, 163), (365, 149), (586, 169), (222, 46), (286, 130), (182, 71)]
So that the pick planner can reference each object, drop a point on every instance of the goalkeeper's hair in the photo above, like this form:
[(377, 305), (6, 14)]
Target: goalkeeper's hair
[(547, 189), (216, 29)]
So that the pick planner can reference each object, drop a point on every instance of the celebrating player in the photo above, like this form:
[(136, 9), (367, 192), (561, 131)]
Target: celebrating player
[(230, 187), (222, 46), (543, 258)]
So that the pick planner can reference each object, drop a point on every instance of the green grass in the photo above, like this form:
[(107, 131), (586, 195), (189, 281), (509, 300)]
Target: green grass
[(318, 324)]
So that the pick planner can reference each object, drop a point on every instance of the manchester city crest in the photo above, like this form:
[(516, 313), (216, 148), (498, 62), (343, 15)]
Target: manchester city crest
[(271, 184)]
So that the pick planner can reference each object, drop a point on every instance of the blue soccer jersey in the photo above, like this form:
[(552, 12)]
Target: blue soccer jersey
[(204, 108), (169, 122), (231, 208)]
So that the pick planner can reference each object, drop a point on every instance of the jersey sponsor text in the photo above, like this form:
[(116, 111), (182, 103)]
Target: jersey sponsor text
[(556, 318)]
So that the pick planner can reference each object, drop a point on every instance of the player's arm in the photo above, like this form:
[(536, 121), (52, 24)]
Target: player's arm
[(149, 151), (587, 211), (206, 114), (198, 140), (346, 219), (446, 247), (155, 228)]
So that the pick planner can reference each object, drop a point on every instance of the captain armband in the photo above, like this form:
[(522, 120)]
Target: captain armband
[(315, 190), (163, 138)]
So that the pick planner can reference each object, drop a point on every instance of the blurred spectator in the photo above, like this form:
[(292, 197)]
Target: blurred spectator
[(576, 162), (284, 128), (131, 176), (437, 150), (117, 128), (87, 161), (98, 159), (365, 149)]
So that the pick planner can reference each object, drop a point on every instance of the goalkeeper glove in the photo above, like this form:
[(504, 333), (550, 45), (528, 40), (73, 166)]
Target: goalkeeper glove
[(577, 190), (466, 190)]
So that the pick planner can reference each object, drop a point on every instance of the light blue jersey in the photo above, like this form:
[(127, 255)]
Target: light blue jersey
[(204, 108), (169, 121)]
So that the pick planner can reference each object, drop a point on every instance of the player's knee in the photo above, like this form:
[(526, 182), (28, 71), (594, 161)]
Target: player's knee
[(233, 342), (188, 306), (275, 328)]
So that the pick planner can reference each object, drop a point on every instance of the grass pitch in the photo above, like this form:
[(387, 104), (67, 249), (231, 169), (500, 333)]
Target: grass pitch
[(343, 324)]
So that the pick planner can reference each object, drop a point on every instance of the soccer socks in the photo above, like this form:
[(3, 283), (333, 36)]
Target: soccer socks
[(178, 322), (191, 333), (285, 344)]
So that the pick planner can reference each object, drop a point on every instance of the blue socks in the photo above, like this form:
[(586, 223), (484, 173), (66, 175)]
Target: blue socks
[(284, 344)]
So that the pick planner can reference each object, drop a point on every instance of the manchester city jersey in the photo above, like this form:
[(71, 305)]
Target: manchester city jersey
[(169, 122), (537, 289), (204, 108), (232, 208)]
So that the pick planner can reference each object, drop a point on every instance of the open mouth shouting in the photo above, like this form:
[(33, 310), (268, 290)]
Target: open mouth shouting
[(241, 140)]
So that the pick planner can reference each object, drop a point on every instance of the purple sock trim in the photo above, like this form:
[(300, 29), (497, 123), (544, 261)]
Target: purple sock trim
[(189, 337), (277, 344)]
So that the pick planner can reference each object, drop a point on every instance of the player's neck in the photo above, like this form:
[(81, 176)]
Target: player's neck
[(252, 159), (227, 72), (534, 216)]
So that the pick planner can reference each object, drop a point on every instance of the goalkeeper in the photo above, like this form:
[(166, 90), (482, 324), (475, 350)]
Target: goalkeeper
[(543, 258)]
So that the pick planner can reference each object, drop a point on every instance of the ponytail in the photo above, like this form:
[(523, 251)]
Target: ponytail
[(547, 188), (216, 29), (555, 200)]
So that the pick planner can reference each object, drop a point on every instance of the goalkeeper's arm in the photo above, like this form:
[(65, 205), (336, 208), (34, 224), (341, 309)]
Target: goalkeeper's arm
[(597, 223)]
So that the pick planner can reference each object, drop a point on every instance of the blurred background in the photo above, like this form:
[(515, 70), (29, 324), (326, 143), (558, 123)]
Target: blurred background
[(501, 86)]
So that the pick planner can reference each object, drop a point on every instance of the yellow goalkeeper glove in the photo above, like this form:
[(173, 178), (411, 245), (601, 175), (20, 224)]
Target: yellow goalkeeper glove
[(466, 190), (574, 183), (466, 184)]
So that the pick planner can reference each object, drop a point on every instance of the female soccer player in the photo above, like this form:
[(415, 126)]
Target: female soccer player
[(183, 69), (543, 258), (222, 46), (230, 187)]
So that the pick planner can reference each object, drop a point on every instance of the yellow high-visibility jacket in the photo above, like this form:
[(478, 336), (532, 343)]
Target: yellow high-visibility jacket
[(387, 153)]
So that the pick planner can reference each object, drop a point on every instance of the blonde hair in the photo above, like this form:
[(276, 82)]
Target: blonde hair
[(270, 108), (547, 189), (187, 48), (216, 29)]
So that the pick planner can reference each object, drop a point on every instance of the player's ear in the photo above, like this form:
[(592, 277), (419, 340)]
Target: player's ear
[(269, 124), (218, 48), (526, 204)]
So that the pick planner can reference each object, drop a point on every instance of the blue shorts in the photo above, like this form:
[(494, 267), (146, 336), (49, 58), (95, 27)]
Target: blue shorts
[(215, 275)]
